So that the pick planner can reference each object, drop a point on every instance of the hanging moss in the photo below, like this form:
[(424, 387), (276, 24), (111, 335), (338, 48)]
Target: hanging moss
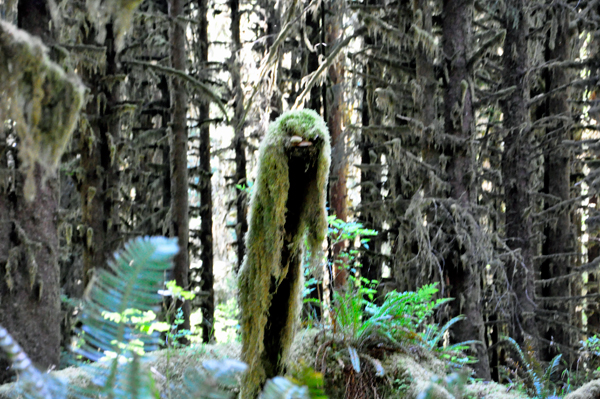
[(39, 97), (288, 204)]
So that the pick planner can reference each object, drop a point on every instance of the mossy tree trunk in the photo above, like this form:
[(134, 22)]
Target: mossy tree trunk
[(29, 288), (288, 206), (463, 275), (558, 232), (179, 149), (206, 203), (517, 173)]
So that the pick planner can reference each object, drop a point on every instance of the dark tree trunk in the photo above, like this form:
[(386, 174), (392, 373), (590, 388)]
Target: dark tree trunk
[(272, 10), (206, 237), (517, 173), (313, 26), (558, 232), (179, 148), (370, 192), (334, 115), (239, 140), (370, 173), (30, 286), (99, 160), (463, 278)]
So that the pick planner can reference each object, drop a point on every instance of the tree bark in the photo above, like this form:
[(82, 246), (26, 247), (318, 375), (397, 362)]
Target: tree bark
[(239, 140), (517, 173), (206, 237), (98, 187), (463, 277), (30, 286), (334, 113), (179, 148), (558, 232)]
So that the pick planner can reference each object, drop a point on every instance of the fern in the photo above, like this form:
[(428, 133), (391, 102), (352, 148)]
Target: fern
[(113, 338), (33, 383), (538, 382)]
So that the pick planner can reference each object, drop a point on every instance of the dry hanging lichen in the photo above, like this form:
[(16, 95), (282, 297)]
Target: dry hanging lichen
[(39, 97), (288, 205)]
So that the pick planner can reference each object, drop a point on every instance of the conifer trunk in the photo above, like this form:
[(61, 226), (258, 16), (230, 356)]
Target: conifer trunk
[(99, 160), (370, 173), (239, 141), (206, 225), (30, 306), (334, 113), (179, 147), (517, 172), (558, 232), (463, 277)]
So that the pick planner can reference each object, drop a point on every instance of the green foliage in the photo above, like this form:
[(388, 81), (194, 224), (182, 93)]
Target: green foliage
[(118, 327), (340, 230), (337, 232), (530, 374), (174, 314), (132, 282), (227, 321), (453, 354), (398, 318), (590, 349)]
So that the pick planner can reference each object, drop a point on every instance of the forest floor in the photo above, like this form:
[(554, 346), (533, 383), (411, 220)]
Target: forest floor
[(410, 373)]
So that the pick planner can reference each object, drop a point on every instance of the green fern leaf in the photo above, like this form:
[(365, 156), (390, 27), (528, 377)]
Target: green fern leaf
[(136, 274)]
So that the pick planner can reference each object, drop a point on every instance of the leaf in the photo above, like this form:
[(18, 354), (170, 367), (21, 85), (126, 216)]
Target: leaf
[(282, 388), (354, 358)]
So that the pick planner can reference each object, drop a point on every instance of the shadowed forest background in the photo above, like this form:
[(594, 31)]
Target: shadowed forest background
[(463, 132)]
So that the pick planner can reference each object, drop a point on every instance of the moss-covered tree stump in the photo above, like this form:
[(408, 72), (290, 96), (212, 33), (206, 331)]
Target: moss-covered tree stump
[(288, 205)]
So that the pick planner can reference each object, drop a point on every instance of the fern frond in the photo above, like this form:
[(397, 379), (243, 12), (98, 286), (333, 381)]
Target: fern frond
[(136, 274), (33, 384)]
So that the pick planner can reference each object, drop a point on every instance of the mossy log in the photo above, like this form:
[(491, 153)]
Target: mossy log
[(288, 204)]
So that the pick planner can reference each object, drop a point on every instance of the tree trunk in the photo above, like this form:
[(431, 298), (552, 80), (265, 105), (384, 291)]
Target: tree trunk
[(517, 173), (99, 185), (463, 277), (206, 237), (558, 232), (334, 113), (239, 140), (30, 289), (179, 148)]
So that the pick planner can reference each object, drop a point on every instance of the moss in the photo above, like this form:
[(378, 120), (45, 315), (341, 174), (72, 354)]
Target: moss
[(167, 367), (591, 390), (39, 97), (407, 374), (288, 204)]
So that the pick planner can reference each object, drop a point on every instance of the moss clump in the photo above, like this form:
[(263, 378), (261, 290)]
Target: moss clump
[(591, 390), (39, 97), (288, 204)]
